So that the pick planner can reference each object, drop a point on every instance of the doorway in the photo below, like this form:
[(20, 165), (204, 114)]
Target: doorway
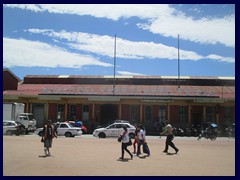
[(108, 113), (196, 119)]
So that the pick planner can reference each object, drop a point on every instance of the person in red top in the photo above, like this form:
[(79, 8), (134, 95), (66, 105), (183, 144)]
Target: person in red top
[(135, 140)]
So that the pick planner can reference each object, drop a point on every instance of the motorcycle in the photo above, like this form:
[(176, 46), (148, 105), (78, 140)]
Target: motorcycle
[(209, 133)]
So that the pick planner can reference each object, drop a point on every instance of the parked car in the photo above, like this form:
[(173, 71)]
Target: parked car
[(78, 124), (13, 127), (63, 129), (109, 123), (114, 130)]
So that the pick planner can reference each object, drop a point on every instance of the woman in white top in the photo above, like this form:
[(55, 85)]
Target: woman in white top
[(125, 141)]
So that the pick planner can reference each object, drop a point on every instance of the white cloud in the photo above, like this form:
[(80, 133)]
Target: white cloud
[(127, 73), (110, 11), (21, 52), (104, 45), (207, 31), (161, 19)]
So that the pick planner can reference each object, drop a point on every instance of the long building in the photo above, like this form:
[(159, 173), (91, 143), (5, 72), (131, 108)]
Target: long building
[(149, 100)]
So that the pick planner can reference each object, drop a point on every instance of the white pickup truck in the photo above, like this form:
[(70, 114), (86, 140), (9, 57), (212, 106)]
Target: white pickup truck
[(63, 129), (15, 112)]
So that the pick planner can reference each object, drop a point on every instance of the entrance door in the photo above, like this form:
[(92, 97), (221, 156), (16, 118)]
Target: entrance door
[(108, 113), (196, 119), (38, 111)]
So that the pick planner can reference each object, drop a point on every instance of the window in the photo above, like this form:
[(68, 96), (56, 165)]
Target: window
[(162, 114), (112, 126), (228, 111), (182, 115), (134, 114), (60, 112), (85, 114), (148, 113), (210, 114), (119, 126), (63, 126), (72, 111)]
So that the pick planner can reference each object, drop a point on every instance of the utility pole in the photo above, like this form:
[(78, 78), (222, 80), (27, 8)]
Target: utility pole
[(114, 71), (178, 64)]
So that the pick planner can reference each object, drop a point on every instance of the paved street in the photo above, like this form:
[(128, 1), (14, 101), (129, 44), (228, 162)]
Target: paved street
[(90, 156)]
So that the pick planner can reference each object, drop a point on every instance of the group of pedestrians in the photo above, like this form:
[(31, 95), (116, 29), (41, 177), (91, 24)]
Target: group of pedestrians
[(140, 140)]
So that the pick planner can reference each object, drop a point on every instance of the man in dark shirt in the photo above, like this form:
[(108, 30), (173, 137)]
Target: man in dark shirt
[(48, 134)]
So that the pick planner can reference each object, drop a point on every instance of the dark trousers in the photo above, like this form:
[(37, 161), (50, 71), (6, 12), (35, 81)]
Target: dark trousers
[(170, 143), (124, 147), (140, 143)]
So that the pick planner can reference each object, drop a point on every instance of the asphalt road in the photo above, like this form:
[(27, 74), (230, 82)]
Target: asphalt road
[(90, 156)]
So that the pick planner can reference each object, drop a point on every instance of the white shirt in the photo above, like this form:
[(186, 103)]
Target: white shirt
[(169, 129), (141, 135), (125, 137)]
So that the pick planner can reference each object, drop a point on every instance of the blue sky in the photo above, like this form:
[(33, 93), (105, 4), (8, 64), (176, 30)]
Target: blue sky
[(79, 39)]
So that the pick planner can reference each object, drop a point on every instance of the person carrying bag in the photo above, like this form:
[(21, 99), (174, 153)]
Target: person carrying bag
[(126, 141)]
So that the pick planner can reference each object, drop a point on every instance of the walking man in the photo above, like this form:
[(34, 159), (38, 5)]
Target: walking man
[(169, 133), (48, 134)]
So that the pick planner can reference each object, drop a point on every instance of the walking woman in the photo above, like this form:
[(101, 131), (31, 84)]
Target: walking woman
[(125, 142)]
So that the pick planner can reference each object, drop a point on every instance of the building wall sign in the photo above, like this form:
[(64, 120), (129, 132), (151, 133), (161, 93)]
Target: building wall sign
[(209, 100)]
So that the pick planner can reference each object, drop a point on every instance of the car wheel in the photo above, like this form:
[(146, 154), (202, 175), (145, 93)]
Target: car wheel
[(40, 133), (213, 138), (102, 135), (9, 133), (131, 135), (68, 134)]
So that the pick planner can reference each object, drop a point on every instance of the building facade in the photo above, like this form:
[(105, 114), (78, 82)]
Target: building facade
[(98, 100)]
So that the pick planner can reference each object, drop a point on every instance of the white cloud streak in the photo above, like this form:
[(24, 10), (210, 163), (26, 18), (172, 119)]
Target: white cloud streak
[(21, 52), (103, 45), (127, 73), (160, 19)]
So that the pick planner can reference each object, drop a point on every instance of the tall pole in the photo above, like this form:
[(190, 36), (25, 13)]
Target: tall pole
[(178, 65), (114, 76)]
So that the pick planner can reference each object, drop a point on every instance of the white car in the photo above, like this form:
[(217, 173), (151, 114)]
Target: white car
[(12, 127), (114, 130), (63, 129)]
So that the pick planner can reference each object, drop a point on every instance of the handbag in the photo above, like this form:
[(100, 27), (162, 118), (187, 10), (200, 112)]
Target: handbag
[(42, 140), (146, 148), (119, 138)]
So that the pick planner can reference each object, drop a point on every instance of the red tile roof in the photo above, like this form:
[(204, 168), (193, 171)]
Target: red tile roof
[(227, 92)]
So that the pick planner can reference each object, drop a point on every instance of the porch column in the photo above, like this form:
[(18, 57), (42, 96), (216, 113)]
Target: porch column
[(93, 111), (217, 113), (168, 113), (27, 107), (65, 111), (120, 111), (189, 114), (141, 113)]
